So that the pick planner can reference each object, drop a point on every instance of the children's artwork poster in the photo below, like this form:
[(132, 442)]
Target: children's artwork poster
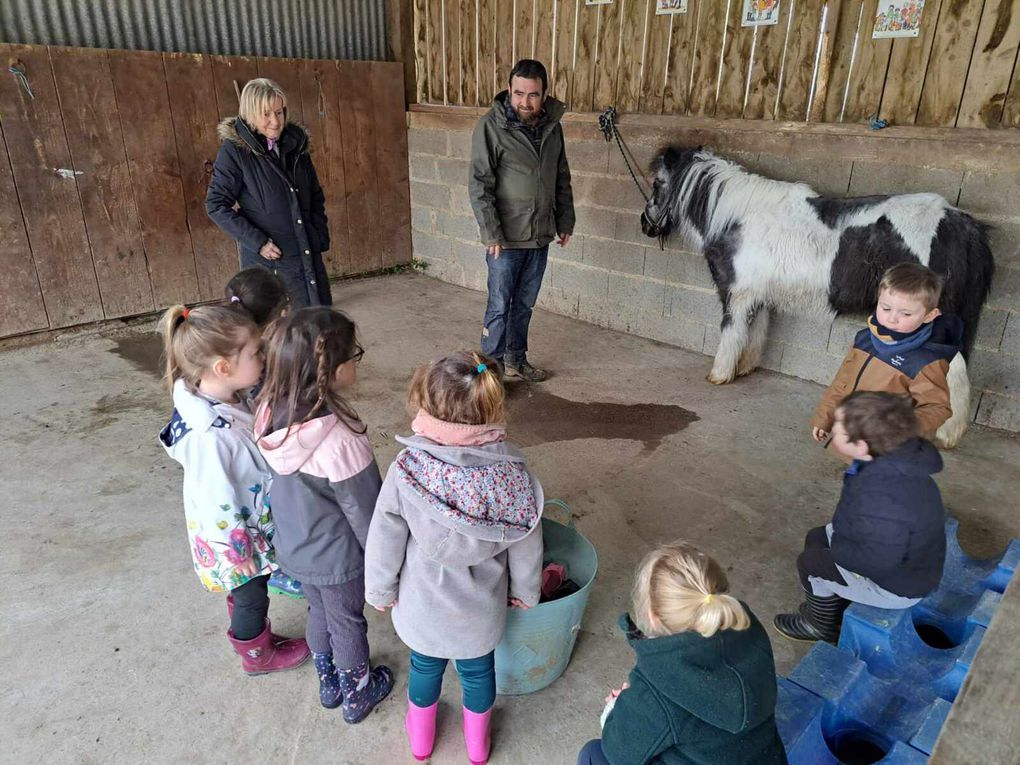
[(760, 13), (598, 2), (898, 18), (663, 7)]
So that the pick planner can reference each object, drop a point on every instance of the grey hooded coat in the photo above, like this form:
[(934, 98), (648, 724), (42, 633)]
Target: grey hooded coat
[(456, 532)]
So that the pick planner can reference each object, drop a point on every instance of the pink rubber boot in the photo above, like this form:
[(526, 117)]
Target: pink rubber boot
[(420, 724), (261, 655), (476, 735)]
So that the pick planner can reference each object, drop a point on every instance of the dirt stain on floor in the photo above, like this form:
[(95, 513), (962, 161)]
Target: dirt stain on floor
[(538, 417), (143, 351)]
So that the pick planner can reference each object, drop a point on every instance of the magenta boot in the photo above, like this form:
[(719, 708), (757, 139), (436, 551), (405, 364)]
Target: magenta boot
[(279, 640), (476, 735), (261, 655), (420, 724)]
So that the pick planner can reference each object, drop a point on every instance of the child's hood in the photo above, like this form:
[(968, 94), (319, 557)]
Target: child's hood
[(483, 492), (727, 680), (322, 447), (194, 413)]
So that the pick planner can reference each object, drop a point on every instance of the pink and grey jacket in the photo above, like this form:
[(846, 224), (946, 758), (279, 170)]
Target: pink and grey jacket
[(325, 486), (457, 531)]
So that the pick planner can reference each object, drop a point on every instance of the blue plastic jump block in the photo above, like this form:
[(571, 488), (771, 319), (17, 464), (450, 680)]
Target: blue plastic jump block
[(889, 643), (966, 574), (807, 722)]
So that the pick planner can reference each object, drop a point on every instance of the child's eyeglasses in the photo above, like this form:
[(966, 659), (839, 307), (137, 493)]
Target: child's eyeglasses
[(356, 356)]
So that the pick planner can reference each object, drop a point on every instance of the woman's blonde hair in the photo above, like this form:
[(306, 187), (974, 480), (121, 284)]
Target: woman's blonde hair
[(193, 338), (257, 96), (463, 387), (679, 589)]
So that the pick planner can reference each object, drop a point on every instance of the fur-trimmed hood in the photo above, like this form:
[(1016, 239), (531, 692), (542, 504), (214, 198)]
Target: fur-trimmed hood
[(295, 136)]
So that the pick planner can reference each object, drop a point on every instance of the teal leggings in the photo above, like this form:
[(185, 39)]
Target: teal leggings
[(477, 679)]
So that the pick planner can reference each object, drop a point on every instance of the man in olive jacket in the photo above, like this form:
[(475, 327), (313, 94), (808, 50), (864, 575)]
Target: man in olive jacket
[(519, 184)]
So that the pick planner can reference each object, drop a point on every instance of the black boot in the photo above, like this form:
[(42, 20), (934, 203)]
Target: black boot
[(818, 619)]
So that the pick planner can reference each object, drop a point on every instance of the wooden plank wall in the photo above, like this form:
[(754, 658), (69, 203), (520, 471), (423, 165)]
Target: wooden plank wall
[(109, 153), (961, 70)]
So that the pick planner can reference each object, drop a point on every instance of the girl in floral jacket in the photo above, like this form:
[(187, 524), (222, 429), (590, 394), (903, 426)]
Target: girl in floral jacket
[(212, 353)]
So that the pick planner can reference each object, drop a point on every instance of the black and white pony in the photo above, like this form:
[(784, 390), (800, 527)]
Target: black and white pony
[(773, 244)]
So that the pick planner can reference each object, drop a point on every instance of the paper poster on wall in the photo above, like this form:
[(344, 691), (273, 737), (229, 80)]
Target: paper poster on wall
[(598, 2), (898, 18), (759, 13), (663, 7)]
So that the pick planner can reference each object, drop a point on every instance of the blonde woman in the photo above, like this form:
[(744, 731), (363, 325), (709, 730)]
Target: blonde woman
[(265, 194), (704, 686)]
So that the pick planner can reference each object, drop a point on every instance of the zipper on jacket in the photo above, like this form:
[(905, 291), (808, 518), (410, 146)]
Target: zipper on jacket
[(860, 374), (857, 382)]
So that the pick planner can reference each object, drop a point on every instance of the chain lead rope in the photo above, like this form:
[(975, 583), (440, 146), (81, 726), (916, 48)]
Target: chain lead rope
[(607, 124)]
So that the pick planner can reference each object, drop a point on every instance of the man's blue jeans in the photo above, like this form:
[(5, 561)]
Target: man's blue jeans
[(514, 281)]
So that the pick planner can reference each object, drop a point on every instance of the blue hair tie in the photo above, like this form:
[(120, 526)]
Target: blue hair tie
[(480, 368)]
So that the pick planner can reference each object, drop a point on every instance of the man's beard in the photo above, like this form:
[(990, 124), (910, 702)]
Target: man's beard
[(528, 118)]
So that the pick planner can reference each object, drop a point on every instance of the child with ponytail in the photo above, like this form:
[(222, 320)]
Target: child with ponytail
[(325, 486), (212, 354), (704, 686), (456, 536)]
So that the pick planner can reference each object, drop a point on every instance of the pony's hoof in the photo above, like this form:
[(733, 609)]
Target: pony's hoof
[(717, 380), (950, 434), (744, 371)]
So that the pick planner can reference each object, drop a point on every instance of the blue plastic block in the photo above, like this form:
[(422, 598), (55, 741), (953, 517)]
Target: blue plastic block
[(966, 574), (925, 738), (799, 719), (887, 642), (831, 701)]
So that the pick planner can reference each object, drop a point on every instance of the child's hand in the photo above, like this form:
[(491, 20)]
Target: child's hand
[(247, 568), (385, 608), (818, 434), (616, 692), (518, 603)]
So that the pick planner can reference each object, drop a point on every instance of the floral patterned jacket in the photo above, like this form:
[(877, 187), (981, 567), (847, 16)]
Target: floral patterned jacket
[(226, 488)]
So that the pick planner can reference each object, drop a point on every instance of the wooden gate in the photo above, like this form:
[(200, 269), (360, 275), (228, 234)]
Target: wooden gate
[(108, 155)]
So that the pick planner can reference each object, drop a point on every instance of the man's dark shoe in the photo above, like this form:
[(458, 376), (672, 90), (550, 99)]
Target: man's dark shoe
[(525, 371)]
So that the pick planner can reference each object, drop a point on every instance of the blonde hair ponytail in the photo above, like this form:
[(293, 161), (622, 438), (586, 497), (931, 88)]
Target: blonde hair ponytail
[(463, 387), (193, 338), (680, 589)]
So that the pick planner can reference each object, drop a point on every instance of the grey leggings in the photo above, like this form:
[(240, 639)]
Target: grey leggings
[(336, 621)]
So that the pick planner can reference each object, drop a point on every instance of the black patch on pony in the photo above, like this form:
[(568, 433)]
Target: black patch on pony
[(719, 253), (831, 211), (865, 252), (960, 252)]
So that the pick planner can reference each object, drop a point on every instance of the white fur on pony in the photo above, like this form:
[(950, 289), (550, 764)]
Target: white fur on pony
[(952, 430)]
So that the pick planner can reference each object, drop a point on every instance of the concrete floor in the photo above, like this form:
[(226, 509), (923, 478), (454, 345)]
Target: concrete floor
[(110, 651)]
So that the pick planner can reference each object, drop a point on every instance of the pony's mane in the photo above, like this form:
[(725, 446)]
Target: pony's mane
[(725, 193)]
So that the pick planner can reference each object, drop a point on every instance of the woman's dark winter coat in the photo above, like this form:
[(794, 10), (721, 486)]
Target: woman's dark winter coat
[(694, 700), (276, 197)]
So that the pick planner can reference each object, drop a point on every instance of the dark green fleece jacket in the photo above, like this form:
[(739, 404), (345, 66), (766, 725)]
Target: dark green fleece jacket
[(520, 194), (697, 701)]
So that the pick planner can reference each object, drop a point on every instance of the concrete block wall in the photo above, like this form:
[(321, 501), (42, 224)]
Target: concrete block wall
[(613, 276)]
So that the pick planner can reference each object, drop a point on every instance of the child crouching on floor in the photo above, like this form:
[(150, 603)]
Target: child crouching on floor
[(704, 686), (886, 543)]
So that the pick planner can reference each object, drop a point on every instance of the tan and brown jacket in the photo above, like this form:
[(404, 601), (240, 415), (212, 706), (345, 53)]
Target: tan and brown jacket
[(920, 372)]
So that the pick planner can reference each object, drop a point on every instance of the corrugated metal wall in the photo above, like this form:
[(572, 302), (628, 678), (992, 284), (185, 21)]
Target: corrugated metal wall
[(346, 29)]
